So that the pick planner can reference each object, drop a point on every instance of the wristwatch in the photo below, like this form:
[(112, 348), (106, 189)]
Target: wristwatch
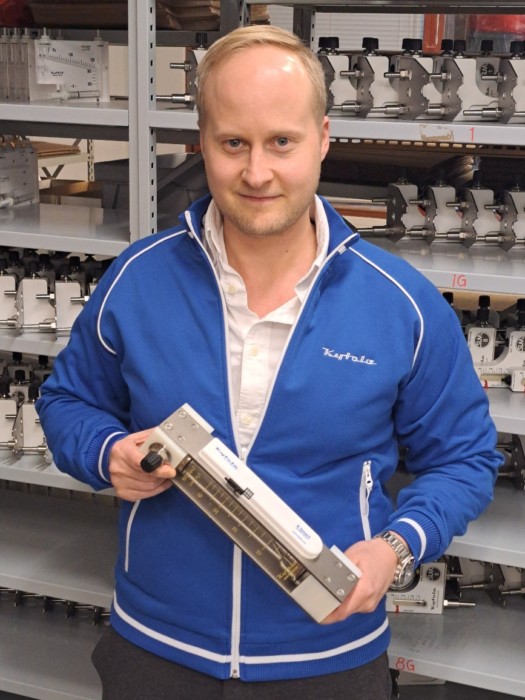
[(405, 570)]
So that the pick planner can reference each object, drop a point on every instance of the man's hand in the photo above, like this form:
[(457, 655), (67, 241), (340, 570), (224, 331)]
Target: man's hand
[(378, 562), (129, 480)]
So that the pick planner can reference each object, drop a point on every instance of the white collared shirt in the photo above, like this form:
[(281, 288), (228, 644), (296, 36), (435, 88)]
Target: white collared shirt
[(255, 344)]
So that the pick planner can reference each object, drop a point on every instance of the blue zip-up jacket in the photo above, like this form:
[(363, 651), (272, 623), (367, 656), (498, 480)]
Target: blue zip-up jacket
[(376, 361)]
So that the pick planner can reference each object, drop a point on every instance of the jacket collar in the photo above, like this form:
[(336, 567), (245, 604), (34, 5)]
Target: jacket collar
[(341, 232)]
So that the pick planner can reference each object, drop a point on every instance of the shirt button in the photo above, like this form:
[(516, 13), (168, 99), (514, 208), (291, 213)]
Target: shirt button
[(246, 420), (254, 351), (231, 289)]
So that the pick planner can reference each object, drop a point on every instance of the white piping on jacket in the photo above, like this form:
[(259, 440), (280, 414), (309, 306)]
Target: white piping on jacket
[(417, 527), (188, 648), (399, 286), (117, 278), (317, 655), (128, 533), (102, 452), (249, 660)]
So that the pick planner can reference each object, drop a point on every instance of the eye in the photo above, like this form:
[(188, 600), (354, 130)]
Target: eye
[(233, 143), (282, 141)]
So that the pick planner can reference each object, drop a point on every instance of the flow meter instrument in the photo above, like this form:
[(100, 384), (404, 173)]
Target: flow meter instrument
[(283, 545)]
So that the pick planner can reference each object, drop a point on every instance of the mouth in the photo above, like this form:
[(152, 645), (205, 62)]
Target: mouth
[(258, 199)]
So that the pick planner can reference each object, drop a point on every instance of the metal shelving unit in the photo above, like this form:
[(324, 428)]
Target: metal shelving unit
[(31, 344), (74, 229), (459, 648), (58, 539), (496, 536), (453, 266), (44, 656), (44, 548), (473, 646), (66, 548), (35, 471)]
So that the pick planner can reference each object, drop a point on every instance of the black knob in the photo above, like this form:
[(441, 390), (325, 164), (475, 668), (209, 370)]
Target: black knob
[(447, 45), (411, 45), (517, 47), (487, 46), (151, 461), (328, 43), (370, 43), (484, 301), (201, 38), (20, 376), (460, 45)]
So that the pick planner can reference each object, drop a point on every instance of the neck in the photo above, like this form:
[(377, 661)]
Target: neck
[(271, 266)]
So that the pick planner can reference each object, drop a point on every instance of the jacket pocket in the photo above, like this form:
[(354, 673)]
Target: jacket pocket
[(367, 484)]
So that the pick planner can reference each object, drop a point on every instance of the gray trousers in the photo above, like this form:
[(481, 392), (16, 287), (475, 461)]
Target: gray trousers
[(130, 673)]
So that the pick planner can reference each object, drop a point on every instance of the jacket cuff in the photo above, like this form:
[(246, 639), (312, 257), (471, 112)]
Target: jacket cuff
[(97, 455), (421, 536)]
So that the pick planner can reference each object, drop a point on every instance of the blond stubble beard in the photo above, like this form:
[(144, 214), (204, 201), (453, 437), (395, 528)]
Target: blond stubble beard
[(282, 222)]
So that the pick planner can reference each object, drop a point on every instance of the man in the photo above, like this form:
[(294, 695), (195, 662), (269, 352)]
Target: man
[(314, 355)]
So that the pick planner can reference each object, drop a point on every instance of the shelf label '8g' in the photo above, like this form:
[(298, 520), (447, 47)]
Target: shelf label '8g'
[(402, 664)]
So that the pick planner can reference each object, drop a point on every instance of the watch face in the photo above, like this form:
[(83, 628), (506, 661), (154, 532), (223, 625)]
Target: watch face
[(406, 579)]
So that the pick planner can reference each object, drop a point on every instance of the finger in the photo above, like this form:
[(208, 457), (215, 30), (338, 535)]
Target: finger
[(165, 471), (129, 493)]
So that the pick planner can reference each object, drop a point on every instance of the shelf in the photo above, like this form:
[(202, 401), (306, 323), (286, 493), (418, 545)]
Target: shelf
[(163, 37), (507, 409), (453, 266), (66, 159), (172, 116), (69, 228), (63, 548), (428, 131), (33, 470), (481, 646), (179, 117), (46, 656), (496, 536), (412, 6), (114, 113), (32, 343)]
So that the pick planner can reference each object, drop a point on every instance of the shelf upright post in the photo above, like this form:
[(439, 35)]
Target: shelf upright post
[(142, 138), (304, 24), (234, 13)]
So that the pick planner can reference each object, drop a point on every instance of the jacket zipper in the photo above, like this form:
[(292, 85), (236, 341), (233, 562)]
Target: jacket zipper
[(367, 484), (237, 553), (236, 613)]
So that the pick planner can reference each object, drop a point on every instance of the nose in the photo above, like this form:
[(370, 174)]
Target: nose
[(257, 171)]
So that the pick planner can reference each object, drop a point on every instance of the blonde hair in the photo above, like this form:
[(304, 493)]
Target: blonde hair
[(260, 35)]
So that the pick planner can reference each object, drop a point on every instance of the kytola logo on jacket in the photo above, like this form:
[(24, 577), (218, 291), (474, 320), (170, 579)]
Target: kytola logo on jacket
[(328, 352)]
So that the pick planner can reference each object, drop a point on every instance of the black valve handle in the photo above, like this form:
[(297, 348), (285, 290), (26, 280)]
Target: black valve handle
[(151, 461)]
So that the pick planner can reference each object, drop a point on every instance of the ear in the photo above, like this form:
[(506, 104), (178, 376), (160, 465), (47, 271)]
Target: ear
[(325, 137)]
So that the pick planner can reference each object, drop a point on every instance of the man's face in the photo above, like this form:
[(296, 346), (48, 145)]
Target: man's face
[(262, 143)]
